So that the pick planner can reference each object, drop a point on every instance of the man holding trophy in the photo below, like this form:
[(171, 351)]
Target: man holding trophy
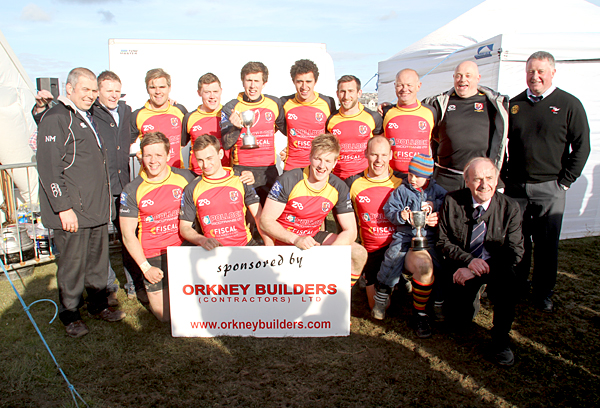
[(412, 206), (249, 123)]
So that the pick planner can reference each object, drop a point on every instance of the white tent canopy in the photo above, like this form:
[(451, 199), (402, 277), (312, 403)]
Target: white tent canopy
[(491, 34)]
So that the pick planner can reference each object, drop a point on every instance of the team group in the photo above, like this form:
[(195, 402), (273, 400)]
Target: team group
[(443, 156)]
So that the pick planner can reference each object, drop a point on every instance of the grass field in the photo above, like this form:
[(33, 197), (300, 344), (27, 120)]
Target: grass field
[(136, 363)]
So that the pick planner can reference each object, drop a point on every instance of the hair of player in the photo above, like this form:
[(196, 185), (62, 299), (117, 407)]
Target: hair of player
[(467, 170), (254, 67), (349, 78), (304, 66), (207, 79), (325, 143), (204, 141), (76, 73), (542, 55), (155, 74), (151, 138), (108, 76)]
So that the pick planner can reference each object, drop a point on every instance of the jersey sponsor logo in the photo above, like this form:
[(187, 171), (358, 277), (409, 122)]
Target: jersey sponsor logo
[(393, 141), (177, 193), (182, 199), (234, 195), (478, 106), (291, 116), (363, 129), (202, 202), (296, 204), (293, 132), (174, 122), (123, 198), (514, 109), (363, 199), (146, 203), (422, 125), (269, 116), (451, 108), (50, 138), (147, 128), (325, 206), (336, 132), (124, 210), (164, 228), (302, 143), (196, 128), (554, 109), (366, 217), (276, 189), (381, 230), (319, 116), (206, 220), (223, 230), (290, 218), (392, 125), (149, 219)]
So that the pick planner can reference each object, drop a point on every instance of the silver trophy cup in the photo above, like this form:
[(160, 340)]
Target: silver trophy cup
[(418, 220), (248, 141)]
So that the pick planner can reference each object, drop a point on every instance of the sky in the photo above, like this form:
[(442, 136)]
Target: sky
[(52, 36)]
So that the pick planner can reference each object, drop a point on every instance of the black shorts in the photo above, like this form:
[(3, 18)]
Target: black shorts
[(321, 236), (161, 263), (373, 264)]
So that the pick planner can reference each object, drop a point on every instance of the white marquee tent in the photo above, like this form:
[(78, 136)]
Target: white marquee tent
[(497, 35)]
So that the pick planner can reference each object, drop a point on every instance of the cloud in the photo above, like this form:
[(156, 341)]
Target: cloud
[(107, 16), (389, 16), (31, 12)]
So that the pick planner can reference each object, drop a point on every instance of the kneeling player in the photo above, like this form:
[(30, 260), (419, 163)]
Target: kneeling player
[(219, 199), (151, 203), (300, 200)]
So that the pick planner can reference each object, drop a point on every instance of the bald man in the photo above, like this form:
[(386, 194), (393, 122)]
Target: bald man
[(408, 124), (472, 121)]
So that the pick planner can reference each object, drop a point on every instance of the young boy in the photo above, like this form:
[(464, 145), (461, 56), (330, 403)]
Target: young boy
[(417, 192)]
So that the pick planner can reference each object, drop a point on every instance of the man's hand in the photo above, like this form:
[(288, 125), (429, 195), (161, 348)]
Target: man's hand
[(247, 177), (154, 275), (479, 266), (462, 275), (210, 243), (305, 242), (432, 219), (235, 119), (283, 155), (380, 107), (69, 221), (42, 99)]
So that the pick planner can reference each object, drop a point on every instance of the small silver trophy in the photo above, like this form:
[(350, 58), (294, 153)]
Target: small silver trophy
[(418, 220), (248, 141)]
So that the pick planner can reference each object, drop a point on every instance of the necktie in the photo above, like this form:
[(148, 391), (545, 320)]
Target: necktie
[(536, 99), (478, 233)]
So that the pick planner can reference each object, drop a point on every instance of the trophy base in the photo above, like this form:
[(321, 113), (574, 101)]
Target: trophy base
[(419, 244), (248, 147)]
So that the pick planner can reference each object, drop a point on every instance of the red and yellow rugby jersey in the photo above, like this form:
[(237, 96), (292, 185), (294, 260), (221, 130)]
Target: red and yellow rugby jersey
[(168, 121), (306, 208), (353, 132), (200, 123), (220, 205), (409, 130), (267, 115), (369, 196), (304, 121), (156, 206)]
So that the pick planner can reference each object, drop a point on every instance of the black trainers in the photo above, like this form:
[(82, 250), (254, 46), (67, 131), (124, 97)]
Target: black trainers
[(504, 357), (422, 327)]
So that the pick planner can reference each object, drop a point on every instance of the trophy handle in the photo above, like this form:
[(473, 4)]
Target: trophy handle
[(410, 217), (427, 208)]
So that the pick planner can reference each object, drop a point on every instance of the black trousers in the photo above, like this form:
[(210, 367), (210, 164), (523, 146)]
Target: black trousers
[(83, 264)]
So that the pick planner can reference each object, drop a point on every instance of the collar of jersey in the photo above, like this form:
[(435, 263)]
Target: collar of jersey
[(409, 109), (243, 98), (305, 173), (361, 108), (306, 103), (372, 180), (145, 176), (147, 106), (220, 180)]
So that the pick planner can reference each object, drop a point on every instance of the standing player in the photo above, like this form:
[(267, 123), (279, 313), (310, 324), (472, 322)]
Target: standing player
[(150, 203), (301, 199), (218, 199), (354, 125), (306, 113), (268, 117), (369, 194), (408, 124), (158, 115)]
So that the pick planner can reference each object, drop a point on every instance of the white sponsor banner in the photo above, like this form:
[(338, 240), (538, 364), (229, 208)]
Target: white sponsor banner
[(259, 291)]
